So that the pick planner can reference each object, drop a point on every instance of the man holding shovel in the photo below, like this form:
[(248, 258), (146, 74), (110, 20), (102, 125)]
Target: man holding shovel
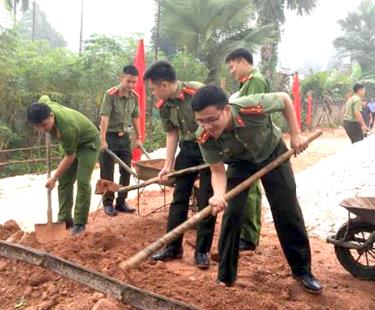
[(242, 134), (178, 121), (118, 112), (80, 140)]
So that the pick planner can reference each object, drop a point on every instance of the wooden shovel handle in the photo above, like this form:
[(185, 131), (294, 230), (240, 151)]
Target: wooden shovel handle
[(139, 257), (49, 198), (169, 175), (121, 163)]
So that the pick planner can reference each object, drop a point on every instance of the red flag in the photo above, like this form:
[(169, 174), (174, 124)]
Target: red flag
[(309, 111), (140, 89), (297, 98)]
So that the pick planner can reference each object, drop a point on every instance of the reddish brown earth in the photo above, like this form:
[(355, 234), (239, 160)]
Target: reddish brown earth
[(264, 280)]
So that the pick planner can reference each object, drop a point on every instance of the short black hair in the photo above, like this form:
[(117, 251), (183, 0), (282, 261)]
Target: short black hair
[(160, 71), (38, 112), (357, 87), (207, 96), (239, 53), (130, 69)]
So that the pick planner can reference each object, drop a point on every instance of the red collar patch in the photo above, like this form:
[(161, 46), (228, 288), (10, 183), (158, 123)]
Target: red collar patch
[(239, 121), (159, 103), (203, 137)]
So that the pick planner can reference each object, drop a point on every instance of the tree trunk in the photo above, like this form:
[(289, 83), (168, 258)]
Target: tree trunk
[(81, 29), (34, 18), (14, 13)]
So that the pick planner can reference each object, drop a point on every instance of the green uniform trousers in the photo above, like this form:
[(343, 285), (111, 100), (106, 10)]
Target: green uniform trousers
[(81, 170), (252, 215), (280, 190)]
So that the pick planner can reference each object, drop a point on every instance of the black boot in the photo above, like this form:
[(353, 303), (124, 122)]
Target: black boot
[(124, 207), (168, 253), (201, 260), (78, 228), (309, 283), (246, 246)]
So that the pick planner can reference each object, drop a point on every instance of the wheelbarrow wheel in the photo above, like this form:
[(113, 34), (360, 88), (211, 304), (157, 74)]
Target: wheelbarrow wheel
[(360, 264)]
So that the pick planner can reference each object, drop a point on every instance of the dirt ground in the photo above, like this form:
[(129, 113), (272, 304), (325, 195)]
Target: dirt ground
[(264, 279)]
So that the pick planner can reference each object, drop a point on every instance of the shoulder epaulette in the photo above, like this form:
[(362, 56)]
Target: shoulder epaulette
[(257, 109), (189, 90), (135, 93), (112, 91), (203, 137), (159, 103)]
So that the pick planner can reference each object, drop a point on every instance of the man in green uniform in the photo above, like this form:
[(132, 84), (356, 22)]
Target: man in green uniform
[(178, 121), (242, 135), (80, 141), (240, 65), (118, 112), (354, 124)]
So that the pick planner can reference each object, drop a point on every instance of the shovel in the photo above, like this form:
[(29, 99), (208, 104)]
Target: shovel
[(103, 186), (169, 237), (50, 231)]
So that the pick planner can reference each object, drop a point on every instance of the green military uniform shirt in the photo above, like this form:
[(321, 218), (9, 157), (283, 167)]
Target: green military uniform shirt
[(354, 104), (72, 129), (120, 109), (177, 113), (255, 83), (254, 136)]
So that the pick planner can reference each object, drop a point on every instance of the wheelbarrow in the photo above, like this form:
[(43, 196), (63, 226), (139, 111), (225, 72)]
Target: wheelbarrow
[(355, 240)]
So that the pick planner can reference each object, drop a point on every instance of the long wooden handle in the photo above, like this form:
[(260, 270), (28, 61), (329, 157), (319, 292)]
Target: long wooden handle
[(144, 151), (49, 198), (139, 257), (169, 175), (121, 163)]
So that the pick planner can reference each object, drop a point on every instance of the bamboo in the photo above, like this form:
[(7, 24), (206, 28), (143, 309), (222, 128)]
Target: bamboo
[(139, 257), (28, 161)]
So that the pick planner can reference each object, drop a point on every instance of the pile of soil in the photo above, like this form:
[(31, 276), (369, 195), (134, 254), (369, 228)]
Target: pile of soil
[(264, 279)]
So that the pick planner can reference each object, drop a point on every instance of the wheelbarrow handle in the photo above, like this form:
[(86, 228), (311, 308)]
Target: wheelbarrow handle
[(169, 237), (121, 163), (169, 175)]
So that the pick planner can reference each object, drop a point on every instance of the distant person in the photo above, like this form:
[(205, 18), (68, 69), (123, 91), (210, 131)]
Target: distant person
[(366, 113), (80, 141), (119, 111), (371, 106), (354, 124)]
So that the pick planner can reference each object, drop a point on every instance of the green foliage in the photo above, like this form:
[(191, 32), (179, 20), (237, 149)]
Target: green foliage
[(155, 133), (210, 29), (189, 68), (358, 38)]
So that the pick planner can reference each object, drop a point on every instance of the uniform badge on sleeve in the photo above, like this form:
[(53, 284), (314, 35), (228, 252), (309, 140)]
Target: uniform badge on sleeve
[(252, 110)]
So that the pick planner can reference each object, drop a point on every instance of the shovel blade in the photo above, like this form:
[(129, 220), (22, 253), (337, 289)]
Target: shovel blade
[(50, 232)]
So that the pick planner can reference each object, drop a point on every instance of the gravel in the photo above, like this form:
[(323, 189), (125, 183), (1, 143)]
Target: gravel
[(321, 187)]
